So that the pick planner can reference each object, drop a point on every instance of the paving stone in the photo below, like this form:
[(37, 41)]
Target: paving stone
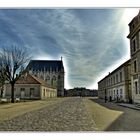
[(69, 115)]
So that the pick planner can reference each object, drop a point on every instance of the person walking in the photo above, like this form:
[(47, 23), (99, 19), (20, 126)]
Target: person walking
[(110, 98)]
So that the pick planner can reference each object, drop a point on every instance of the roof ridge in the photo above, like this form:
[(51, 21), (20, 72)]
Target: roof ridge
[(45, 60)]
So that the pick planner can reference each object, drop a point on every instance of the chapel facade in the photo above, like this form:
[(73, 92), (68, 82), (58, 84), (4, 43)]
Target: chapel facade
[(51, 71)]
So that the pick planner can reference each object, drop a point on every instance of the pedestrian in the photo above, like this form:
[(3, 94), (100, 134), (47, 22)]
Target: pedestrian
[(110, 98)]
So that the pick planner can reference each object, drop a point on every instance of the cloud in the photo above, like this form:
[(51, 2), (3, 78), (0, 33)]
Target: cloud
[(90, 40)]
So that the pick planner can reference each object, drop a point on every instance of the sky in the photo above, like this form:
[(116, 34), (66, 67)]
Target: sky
[(92, 42)]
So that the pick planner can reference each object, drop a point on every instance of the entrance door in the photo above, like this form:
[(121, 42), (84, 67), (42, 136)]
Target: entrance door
[(22, 92)]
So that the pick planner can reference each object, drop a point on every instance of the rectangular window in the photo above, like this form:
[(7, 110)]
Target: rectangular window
[(121, 91), (120, 76), (116, 78), (32, 90), (135, 66), (136, 87), (134, 45), (121, 94), (22, 89)]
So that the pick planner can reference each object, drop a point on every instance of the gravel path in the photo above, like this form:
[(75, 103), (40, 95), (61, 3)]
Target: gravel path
[(69, 115)]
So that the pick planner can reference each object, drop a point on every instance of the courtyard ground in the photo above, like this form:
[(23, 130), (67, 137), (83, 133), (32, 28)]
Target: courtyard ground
[(68, 114), (112, 117), (10, 110)]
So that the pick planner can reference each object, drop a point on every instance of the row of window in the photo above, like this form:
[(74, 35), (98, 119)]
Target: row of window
[(22, 91), (48, 77), (116, 92), (47, 91), (45, 70), (32, 91), (114, 79)]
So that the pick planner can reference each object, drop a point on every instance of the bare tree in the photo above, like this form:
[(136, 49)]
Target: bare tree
[(13, 61), (2, 79)]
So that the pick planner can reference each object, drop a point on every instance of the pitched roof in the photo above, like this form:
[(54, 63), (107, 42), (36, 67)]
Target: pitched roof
[(30, 79), (45, 64), (27, 79)]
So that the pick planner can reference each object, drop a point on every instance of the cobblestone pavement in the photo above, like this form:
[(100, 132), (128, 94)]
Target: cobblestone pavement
[(69, 115)]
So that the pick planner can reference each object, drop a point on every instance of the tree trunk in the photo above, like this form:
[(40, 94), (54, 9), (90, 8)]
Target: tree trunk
[(12, 92), (2, 88)]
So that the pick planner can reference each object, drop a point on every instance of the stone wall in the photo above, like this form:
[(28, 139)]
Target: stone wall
[(30, 91)]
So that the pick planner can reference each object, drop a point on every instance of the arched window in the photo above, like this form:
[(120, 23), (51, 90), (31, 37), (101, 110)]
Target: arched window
[(47, 78), (59, 77), (54, 78)]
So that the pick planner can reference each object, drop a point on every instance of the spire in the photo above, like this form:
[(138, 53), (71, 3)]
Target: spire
[(61, 58)]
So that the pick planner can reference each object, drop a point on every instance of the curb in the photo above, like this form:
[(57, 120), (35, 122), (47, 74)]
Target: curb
[(131, 107)]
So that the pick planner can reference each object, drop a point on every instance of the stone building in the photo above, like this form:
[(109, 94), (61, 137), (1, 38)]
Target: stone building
[(51, 71), (117, 84), (81, 92), (30, 87), (134, 36)]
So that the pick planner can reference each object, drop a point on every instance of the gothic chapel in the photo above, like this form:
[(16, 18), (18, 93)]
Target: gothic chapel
[(52, 71)]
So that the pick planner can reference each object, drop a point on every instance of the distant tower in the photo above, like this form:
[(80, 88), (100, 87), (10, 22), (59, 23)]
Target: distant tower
[(61, 79)]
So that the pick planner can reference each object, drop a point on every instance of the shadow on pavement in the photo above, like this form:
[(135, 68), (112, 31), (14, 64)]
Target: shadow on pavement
[(109, 105), (128, 121)]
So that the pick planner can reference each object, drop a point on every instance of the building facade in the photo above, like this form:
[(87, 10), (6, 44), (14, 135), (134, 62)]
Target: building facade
[(51, 71), (134, 37), (117, 84), (81, 92), (30, 87)]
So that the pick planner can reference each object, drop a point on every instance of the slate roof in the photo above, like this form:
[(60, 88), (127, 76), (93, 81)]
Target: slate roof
[(45, 64)]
